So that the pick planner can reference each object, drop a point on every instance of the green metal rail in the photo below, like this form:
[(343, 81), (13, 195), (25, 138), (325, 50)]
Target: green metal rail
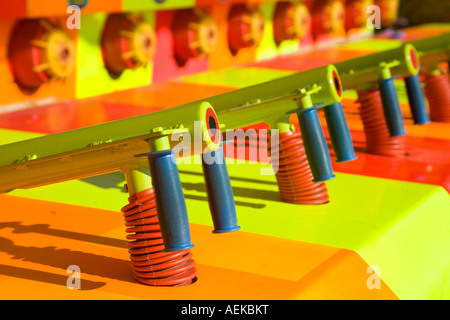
[(112, 146)]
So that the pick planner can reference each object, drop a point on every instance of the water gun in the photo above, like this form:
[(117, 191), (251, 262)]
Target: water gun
[(378, 70)]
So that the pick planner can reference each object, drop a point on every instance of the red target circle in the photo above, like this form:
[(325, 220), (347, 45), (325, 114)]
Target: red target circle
[(414, 59), (213, 125), (337, 83)]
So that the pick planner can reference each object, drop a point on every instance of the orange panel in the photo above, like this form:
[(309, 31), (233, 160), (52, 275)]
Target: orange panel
[(39, 240), (165, 94), (38, 8), (353, 273)]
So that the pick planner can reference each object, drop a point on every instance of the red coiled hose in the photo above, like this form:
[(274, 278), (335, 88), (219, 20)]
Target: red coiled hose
[(378, 139), (437, 91), (150, 264), (294, 176)]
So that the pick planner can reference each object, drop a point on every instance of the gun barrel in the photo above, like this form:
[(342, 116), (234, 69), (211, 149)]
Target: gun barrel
[(269, 101), (359, 72), (112, 146), (97, 149), (433, 50)]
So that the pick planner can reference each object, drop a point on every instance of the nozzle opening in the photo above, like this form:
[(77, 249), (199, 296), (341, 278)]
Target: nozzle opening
[(212, 124), (337, 83), (414, 59)]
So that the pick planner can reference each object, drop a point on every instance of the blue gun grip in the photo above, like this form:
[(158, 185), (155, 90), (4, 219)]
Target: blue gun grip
[(339, 133), (315, 145), (220, 193), (171, 206), (416, 100), (391, 108)]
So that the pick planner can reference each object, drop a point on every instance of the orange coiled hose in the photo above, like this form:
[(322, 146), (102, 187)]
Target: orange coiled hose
[(294, 176), (150, 264), (437, 91), (378, 139)]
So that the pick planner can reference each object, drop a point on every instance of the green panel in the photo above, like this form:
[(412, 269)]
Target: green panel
[(413, 255), (92, 77), (237, 77), (267, 48), (103, 192), (350, 94), (137, 5), (10, 136), (372, 44)]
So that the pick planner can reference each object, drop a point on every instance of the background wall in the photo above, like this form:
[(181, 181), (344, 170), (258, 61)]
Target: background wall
[(423, 11)]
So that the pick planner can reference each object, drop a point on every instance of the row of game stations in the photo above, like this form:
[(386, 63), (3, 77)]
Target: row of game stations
[(382, 219), (50, 52), (371, 75)]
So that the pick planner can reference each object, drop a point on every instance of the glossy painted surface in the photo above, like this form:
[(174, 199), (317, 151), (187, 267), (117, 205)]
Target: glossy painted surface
[(64, 116), (392, 213), (44, 238), (428, 146), (349, 221)]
